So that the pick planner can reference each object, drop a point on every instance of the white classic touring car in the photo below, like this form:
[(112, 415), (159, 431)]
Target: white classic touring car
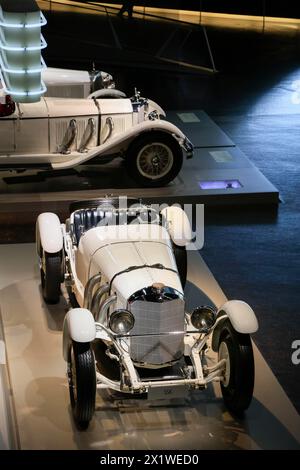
[(125, 270), (63, 131)]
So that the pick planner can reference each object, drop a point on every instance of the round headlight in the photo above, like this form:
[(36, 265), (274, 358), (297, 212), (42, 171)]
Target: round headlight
[(121, 322), (203, 318)]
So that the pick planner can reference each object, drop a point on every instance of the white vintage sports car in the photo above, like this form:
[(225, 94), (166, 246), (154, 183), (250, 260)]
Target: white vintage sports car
[(129, 331), (62, 131)]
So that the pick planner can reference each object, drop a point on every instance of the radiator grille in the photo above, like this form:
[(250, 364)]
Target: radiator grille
[(156, 318)]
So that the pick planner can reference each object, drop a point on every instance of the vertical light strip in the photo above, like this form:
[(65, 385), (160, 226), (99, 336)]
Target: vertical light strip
[(21, 62), (42, 22)]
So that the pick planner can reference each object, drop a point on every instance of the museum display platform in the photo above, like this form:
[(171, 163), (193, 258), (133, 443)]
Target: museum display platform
[(219, 174), (33, 335), (8, 428)]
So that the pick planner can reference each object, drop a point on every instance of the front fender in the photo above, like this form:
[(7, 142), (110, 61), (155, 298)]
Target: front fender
[(179, 226), (152, 106), (79, 326), (49, 235), (241, 316), (124, 140)]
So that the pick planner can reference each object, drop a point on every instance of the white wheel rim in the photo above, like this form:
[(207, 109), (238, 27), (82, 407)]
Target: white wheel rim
[(155, 160), (224, 354)]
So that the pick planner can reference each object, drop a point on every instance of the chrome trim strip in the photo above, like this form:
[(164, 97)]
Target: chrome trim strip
[(88, 290)]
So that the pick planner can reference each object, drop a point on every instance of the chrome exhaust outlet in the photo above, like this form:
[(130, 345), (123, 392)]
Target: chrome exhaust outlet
[(69, 138)]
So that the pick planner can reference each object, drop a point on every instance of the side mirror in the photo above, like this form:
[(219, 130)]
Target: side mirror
[(179, 226)]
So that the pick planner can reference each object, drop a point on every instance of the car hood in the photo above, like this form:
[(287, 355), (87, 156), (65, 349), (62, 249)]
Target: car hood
[(113, 249), (65, 77)]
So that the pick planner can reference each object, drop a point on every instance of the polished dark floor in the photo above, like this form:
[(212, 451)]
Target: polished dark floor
[(256, 258), (253, 252)]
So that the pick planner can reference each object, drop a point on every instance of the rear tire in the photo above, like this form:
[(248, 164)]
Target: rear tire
[(51, 276), (237, 388), (154, 159), (82, 383), (72, 298)]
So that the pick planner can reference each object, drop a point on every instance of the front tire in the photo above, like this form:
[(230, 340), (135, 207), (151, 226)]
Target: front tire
[(154, 159), (51, 276), (238, 384), (82, 383)]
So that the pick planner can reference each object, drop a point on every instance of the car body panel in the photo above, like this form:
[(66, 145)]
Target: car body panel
[(112, 249), (7, 137), (73, 107), (66, 83), (31, 116)]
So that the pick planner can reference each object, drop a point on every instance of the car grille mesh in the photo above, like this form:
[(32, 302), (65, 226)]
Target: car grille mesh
[(152, 318)]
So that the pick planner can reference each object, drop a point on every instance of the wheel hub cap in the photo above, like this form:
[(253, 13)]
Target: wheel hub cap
[(155, 160)]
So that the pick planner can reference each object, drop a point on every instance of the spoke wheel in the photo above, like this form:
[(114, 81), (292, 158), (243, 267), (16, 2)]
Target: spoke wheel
[(154, 159)]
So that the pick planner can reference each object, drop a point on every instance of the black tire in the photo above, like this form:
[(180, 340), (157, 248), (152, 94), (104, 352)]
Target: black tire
[(170, 150), (238, 390), (82, 383), (51, 276), (181, 261), (72, 298)]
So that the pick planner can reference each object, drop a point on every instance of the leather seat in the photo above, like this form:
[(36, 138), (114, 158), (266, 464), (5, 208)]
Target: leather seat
[(85, 219)]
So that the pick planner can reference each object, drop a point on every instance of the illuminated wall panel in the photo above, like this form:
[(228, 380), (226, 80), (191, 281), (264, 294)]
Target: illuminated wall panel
[(21, 43)]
